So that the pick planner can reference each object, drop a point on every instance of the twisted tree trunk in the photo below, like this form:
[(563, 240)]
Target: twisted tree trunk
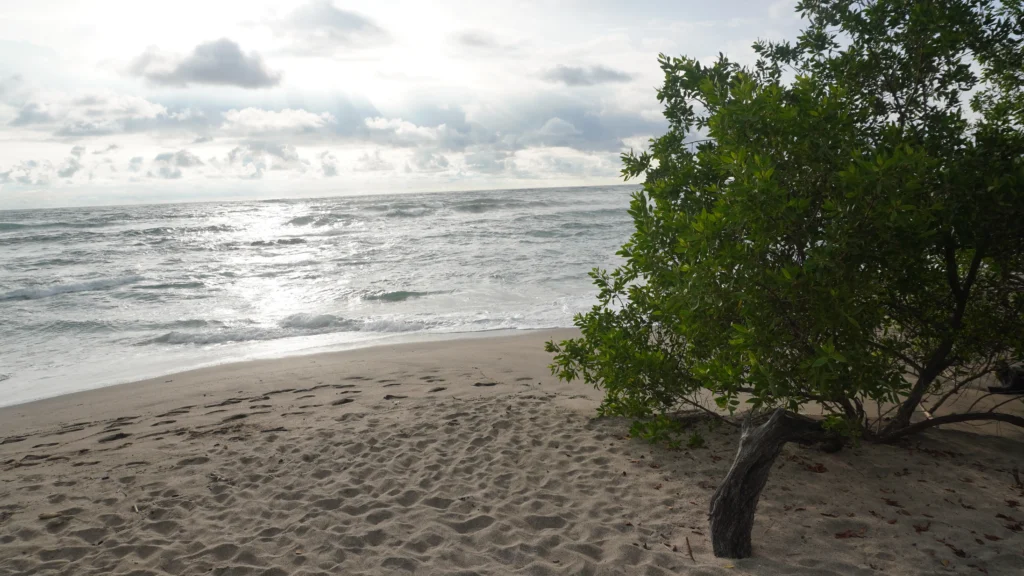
[(734, 503)]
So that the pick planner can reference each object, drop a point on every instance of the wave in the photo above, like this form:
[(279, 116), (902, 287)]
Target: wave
[(398, 295), (169, 230), (294, 325), (319, 219), (10, 226), (170, 285), (281, 242), (88, 285), (316, 321)]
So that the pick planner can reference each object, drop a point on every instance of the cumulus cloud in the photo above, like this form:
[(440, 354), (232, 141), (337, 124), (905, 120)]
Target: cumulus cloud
[(252, 160), (28, 173), (319, 28), (257, 120), (398, 132), (90, 114), (220, 62), (168, 165), (585, 75), (490, 161), (71, 166), (135, 164), (328, 164), (424, 160), (373, 163)]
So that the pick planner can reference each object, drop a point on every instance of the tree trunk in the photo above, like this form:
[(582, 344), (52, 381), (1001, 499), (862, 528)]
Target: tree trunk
[(735, 501)]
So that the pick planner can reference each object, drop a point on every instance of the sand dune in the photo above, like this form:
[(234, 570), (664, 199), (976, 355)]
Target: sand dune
[(459, 457)]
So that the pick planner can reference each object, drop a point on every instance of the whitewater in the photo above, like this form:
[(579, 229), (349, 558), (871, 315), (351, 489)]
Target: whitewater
[(91, 297)]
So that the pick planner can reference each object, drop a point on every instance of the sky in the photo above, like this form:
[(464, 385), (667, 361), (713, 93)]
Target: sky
[(119, 101)]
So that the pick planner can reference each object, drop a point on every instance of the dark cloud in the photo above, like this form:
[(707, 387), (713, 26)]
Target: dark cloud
[(585, 76), (221, 62), (135, 164), (203, 139), (319, 28), (77, 151)]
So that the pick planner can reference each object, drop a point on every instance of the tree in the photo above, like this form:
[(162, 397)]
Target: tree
[(841, 223)]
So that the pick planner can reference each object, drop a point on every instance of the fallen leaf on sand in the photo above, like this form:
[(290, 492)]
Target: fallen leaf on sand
[(851, 533), (922, 527), (992, 538), (891, 502), (819, 468)]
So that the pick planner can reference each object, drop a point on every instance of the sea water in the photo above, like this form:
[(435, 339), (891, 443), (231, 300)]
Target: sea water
[(91, 297)]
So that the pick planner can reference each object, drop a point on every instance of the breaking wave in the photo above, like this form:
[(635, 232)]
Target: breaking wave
[(53, 290)]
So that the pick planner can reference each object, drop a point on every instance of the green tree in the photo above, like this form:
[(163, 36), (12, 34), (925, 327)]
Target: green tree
[(842, 223)]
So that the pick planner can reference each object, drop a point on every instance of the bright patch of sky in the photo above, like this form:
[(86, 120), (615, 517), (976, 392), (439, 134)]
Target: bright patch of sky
[(114, 101)]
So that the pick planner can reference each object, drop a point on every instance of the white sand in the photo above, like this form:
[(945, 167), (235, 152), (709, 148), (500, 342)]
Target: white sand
[(267, 468)]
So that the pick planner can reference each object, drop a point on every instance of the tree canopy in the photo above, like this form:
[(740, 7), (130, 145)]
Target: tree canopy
[(840, 223)]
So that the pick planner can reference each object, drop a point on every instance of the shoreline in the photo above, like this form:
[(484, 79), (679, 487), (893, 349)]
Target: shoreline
[(192, 384), (395, 339)]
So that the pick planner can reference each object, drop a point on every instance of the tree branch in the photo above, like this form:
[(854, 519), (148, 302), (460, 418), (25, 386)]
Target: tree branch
[(961, 385), (952, 419)]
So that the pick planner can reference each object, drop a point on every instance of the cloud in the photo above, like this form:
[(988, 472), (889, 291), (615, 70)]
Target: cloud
[(72, 164), (91, 114), (109, 148), (319, 28), (252, 160), (480, 42), (257, 120), (135, 164), (328, 164), (32, 113), (585, 76), (220, 62), (426, 161), (373, 163), (28, 173), (491, 161), (398, 132), (168, 165), (203, 139)]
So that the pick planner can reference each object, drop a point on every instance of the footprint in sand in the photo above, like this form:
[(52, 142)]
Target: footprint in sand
[(113, 437)]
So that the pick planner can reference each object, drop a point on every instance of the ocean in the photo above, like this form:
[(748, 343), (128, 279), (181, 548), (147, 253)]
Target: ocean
[(91, 297)]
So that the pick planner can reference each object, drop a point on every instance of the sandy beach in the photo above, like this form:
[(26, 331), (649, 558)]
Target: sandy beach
[(459, 457)]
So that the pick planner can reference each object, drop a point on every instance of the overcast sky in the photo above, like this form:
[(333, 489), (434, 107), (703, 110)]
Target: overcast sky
[(119, 101)]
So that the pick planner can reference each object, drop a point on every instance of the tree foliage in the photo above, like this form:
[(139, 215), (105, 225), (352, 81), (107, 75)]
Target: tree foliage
[(840, 223)]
